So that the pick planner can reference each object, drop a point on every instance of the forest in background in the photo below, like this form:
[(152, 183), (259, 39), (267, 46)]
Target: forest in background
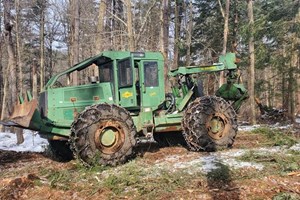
[(42, 37)]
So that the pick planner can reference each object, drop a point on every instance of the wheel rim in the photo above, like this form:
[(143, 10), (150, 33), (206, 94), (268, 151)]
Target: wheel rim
[(109, 136), (217, 126)]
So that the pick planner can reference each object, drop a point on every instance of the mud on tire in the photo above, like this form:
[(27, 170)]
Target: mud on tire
[(103, 134), (209, 123)]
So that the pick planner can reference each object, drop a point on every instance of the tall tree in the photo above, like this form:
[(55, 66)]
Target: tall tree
[(252, 63), (129, 26), (101, 25), (189, 33), (18, 46), (11, 65), (177, 27), (164, 36), (225, 14), (42, 8), (74, 38)]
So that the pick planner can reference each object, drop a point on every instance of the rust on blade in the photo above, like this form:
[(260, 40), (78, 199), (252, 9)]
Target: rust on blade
[(23, 113)]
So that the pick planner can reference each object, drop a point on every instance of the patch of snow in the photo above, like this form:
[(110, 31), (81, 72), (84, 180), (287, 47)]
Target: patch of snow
[(206, 164), (274, 126), (248, 127), (32, 142), (277, 126), (295, 147), (297, 120), (266, 150)]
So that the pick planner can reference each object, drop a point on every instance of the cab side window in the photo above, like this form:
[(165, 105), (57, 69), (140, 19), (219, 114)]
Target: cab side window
[(151, 74), (106, 73), (125, 73)]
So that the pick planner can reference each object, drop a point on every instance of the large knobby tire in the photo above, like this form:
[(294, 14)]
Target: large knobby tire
[(59, 150), (209, 123), (103, 134)]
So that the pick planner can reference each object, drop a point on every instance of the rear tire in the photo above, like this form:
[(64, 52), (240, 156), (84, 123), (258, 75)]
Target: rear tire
[(209, 123), (103, 134)]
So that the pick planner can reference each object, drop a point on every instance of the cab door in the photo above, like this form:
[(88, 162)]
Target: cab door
[(151, 91), (127, 90)]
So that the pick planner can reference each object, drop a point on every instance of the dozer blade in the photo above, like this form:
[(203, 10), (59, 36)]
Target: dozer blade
[(22, 115)]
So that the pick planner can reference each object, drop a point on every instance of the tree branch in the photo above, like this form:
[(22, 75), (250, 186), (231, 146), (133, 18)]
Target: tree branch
[(118, 18), (221, 8), (144, 22)]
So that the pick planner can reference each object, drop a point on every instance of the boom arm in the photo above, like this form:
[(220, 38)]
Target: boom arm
[(232, 90), (226, 62)]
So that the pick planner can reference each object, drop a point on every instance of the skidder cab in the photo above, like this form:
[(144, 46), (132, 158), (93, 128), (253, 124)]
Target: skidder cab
[(124, 99)]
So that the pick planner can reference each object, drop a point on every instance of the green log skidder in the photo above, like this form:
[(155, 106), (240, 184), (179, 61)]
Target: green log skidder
[(102, 120)]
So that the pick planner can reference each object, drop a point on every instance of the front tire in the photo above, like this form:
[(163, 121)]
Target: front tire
[(209, 123), (103, 134)]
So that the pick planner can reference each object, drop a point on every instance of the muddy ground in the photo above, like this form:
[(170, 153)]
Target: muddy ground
[(252, 169)]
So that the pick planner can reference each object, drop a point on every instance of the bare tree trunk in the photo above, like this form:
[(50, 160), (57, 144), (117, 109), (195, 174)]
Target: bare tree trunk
[(42, 46), (100, 26), (164, 28), (2, 77), (298, 87), (11, 62), (178, 11), (284, 92), (225, 35), (74, 36), (51, 39), (235, 27), (129, 26), (291, 95), (189, 34), (292, 78), (11, 52), (19, 131), (252, 64), (18, 46), (4, 110), (34, 79), (100, 45), (297, 65), (164, 37)]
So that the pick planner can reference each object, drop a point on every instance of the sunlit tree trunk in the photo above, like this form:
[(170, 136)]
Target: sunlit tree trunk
[(34, 79), (129, 26), (252, 63), (189, 34), (225, 35), (164, 36), (18, 47), (100, 26), (11, 64), (42, 45), (178, 19), (297, 65), (74, 38), (19, 131)]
